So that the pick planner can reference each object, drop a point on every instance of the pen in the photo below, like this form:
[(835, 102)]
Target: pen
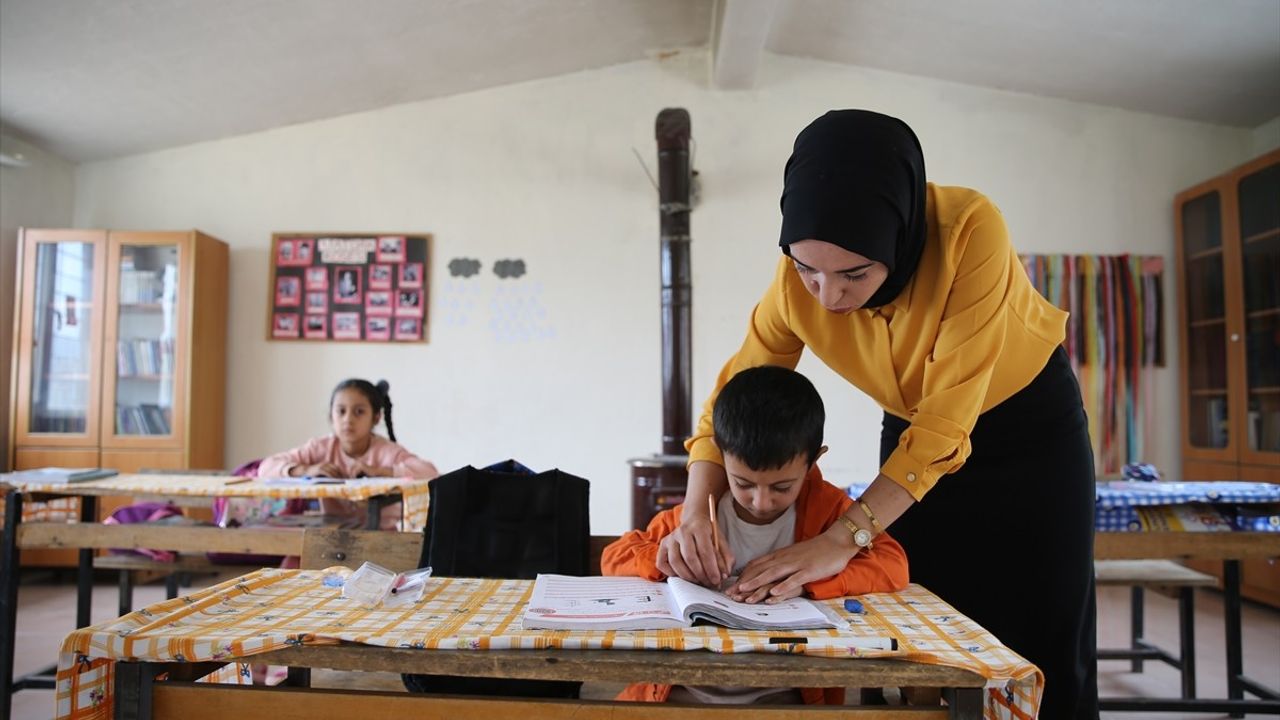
[(238, 481)]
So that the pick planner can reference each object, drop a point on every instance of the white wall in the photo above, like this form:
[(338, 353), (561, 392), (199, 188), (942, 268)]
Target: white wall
[(1265, 137), (41, 194), (544, 171)]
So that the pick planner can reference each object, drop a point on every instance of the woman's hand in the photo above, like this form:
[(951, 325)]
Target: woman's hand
[(689, 551), (317, 470), (782, 574)]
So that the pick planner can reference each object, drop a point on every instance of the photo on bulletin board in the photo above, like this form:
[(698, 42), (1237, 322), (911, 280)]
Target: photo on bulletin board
[(411, 275), (377, 328), (317, 327), (378, 302), (317, 278), (370, 287), (318, 302), (391, 249), (379, 277), (288, 291), (285, 325)]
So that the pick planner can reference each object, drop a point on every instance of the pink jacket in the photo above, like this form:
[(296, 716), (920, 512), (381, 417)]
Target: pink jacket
[(381, 453)]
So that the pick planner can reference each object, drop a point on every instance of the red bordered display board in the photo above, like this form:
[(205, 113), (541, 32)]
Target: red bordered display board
[(352, 287)]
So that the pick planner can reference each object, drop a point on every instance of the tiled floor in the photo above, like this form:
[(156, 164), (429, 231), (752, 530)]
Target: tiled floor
[(47, 614)]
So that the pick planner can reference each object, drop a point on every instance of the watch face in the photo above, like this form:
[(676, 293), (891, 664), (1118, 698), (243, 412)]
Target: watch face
[(862, 538)]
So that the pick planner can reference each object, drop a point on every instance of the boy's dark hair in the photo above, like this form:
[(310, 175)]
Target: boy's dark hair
[(766, 416), (379, 397)]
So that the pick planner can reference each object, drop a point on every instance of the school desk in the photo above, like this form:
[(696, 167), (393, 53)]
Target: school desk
[(469, 626), (88, 535), (1230, 548)]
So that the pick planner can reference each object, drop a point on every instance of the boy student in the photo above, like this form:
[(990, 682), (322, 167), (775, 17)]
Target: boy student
[(768, 424)]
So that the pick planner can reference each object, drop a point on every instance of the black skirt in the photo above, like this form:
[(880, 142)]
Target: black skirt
[(1008, 539)]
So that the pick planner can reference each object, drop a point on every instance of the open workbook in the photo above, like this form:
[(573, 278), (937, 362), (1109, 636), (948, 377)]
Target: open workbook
[(563, 602)]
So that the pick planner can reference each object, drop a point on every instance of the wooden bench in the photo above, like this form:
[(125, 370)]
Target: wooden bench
[(175, 573), (1166, 577)]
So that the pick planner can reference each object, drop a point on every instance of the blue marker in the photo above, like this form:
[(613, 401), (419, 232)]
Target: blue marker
[(854, 606)]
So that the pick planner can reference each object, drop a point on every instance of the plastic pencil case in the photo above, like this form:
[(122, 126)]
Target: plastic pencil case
[(373, 585)]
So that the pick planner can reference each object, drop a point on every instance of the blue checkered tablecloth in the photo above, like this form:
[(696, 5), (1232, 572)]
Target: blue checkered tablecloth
[(1128, 493), (1249, 506)]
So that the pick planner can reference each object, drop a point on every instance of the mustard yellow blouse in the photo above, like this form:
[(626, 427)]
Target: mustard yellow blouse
[(967, 332)]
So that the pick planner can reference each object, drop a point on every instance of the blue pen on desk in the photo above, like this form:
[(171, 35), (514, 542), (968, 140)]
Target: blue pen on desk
[(854, 606)]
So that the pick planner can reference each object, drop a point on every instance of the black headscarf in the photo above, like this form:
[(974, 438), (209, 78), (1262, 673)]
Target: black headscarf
[(856, 179)]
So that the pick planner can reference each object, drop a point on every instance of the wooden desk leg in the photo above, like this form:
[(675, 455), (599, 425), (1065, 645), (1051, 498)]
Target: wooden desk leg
[(299, 677), (9, 598), (84, 573), (134, 681), (1231, 617), (374, 505), (964, 703)]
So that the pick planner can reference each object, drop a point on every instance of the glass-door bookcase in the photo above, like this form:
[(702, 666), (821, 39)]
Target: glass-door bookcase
[(1258, 194), (143, 329), (1205, 324), (56, 403)]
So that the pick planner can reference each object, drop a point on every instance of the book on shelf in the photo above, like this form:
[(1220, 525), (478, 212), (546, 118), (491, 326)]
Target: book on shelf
[(144, 419), (563, 602), (56, 475), (1188, 517)]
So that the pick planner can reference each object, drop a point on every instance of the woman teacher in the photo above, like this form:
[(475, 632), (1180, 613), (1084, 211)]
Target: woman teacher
[(913, 293)]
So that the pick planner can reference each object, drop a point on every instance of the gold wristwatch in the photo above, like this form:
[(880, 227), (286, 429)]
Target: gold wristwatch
[(861, 536)]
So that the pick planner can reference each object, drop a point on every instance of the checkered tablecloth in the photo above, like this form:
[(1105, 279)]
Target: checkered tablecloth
[(1127, 493), (271, 608), (414, 492), (1130, 506)]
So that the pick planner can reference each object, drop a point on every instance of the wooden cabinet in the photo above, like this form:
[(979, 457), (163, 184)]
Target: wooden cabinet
[(1228, 232), (119, 350)]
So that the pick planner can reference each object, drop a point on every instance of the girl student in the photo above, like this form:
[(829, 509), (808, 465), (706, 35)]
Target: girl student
[(353, 450)]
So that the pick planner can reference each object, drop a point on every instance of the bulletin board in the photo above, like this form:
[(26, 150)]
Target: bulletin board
[(349, 287)]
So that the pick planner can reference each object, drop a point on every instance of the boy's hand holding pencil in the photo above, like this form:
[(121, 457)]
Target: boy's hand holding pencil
[(694, 551), (725, 564)]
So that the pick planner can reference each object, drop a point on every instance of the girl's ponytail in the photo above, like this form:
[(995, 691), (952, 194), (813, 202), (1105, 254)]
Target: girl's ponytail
[(384, 389)]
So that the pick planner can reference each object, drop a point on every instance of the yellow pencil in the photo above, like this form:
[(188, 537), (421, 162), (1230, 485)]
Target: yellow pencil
[(715, 527)]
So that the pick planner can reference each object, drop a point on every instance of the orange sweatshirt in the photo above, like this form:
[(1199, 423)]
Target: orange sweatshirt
[(882, 568)]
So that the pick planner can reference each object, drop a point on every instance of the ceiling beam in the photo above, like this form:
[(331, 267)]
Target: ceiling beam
[(741, 28)]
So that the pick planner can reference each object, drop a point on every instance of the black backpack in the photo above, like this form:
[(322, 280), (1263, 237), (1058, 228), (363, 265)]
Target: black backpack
[(504, 521)]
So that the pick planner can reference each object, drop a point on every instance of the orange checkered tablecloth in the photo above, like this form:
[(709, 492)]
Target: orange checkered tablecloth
[(270, 609), (414, 492)]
